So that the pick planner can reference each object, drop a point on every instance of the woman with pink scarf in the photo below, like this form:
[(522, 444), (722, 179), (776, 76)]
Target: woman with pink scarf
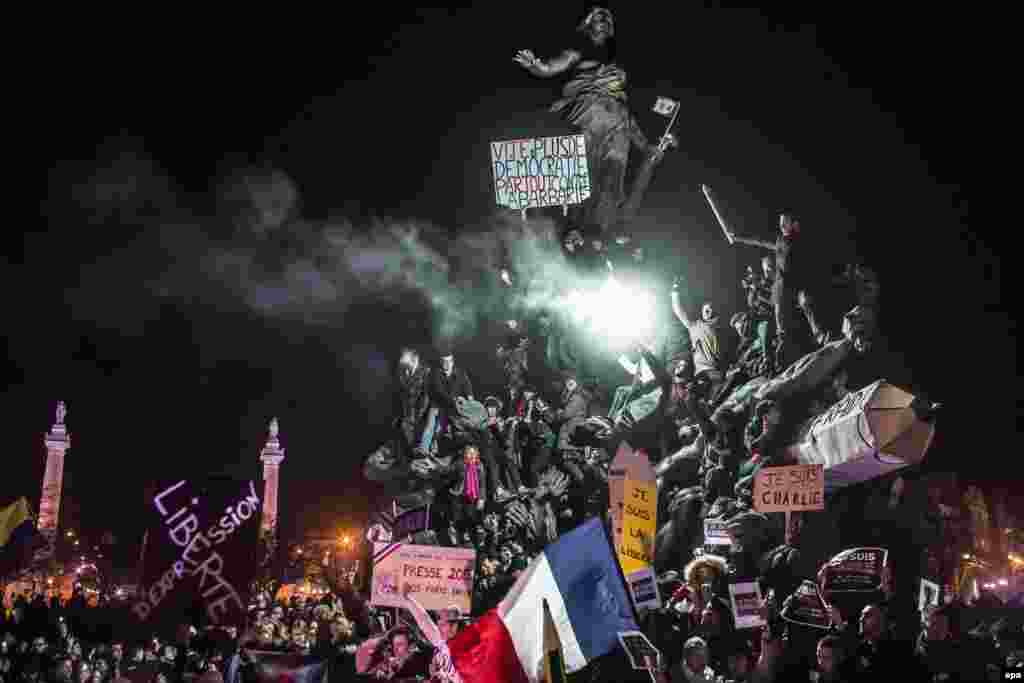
[(468, 495)]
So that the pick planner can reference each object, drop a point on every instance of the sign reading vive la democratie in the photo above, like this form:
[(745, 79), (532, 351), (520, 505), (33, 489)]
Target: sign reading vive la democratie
[(201, 538)]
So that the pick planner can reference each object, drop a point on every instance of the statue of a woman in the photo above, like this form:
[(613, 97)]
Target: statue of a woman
[(594, 101)]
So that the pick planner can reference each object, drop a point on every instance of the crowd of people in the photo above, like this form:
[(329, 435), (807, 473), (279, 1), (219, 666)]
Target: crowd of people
[(506, 472), (78, 642)]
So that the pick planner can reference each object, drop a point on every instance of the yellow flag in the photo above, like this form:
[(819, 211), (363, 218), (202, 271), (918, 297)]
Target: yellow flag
[(11, 517)]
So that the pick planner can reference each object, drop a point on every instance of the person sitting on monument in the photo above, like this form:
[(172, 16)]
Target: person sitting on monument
[(504, 475), (447, 383)]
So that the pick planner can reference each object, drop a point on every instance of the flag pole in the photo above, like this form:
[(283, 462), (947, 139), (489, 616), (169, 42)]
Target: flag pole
[(718, 214)]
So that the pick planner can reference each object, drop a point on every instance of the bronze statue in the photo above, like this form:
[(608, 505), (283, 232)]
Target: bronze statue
[(594, 101)]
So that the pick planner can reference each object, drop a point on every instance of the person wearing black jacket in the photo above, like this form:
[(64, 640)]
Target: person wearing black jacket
[(412, 400), (446, 384)]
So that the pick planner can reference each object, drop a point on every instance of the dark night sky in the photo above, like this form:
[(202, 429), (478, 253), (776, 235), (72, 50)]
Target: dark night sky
[(855, 120)]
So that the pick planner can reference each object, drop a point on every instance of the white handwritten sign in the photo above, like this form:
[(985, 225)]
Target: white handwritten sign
[(540, 172), (437, 577), (716, 532), (643, 585), (746, 604)]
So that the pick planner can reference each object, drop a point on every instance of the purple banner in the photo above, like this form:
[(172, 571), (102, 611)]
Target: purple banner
[(202, 540)]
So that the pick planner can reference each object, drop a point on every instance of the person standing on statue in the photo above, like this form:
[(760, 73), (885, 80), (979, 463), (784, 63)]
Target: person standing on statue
[(784, 286), (412, 399), (594, 101)]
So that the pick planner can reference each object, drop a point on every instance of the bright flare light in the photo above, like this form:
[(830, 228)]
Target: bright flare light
[(614, 312)]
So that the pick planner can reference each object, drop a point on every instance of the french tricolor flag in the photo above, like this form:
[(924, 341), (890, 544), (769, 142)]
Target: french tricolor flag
[(579, 578)]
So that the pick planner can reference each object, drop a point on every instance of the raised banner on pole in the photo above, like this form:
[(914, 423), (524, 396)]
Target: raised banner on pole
[(202, 536), (437, 577), (539, 172), (790, 488)]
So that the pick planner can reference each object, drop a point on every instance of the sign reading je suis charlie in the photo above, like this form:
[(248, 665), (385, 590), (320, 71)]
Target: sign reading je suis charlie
[(789, 488)]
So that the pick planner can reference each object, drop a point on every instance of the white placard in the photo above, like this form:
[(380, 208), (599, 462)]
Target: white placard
[(745, 597), (643, 586), (535, 173), (715, 532)]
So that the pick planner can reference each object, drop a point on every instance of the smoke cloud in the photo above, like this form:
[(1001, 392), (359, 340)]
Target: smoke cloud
[(256, 247)]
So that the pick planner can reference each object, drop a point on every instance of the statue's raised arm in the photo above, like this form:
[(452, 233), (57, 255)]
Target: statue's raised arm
[(594, 102), (547, 69)]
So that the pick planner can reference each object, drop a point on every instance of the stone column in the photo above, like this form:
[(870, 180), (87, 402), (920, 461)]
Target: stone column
[(272, 456), (57, 442)]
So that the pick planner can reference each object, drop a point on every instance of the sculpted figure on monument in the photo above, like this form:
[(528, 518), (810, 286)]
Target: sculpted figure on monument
[(594, 102)]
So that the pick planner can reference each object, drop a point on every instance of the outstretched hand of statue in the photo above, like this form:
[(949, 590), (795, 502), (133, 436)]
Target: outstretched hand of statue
[(526, 59)]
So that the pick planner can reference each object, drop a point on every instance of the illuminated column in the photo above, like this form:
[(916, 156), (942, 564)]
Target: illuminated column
[(272, 455), (57, 441)]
